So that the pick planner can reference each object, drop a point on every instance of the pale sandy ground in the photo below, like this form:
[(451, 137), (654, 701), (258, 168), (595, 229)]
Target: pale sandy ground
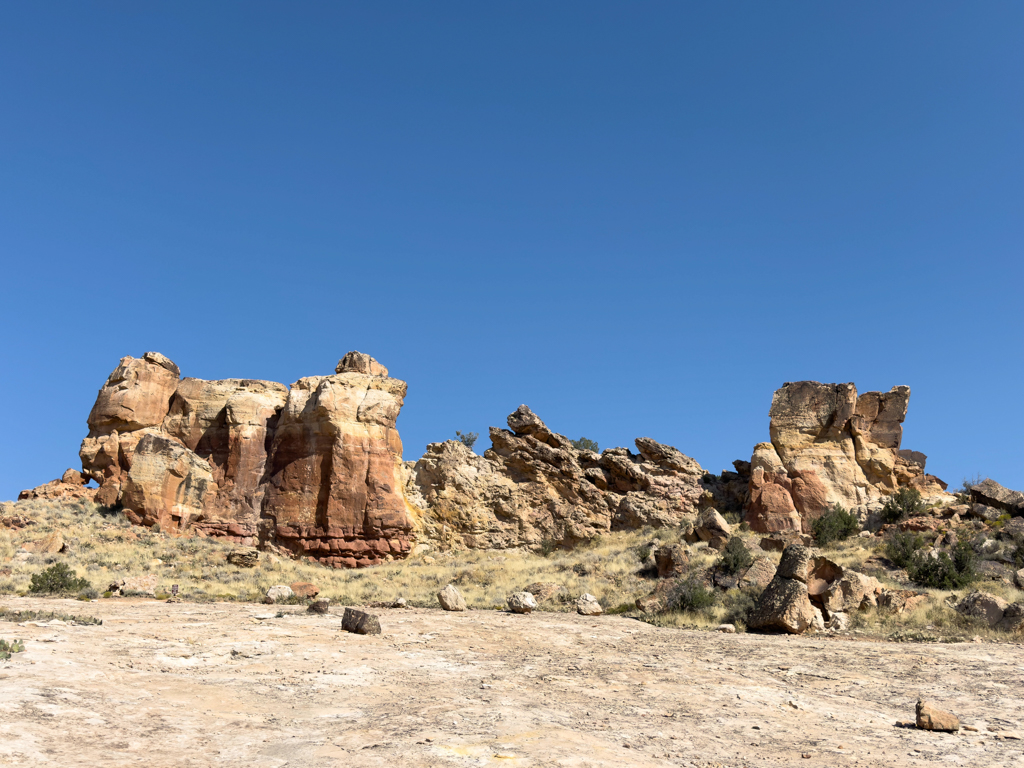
[(224, 685)]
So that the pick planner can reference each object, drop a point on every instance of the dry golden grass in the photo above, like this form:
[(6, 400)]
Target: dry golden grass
[(104, 547)]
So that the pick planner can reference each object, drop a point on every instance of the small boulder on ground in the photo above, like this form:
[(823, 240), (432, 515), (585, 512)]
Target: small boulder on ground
[(729, 629), (51, 545), (134, 585), (587, 605), (244, 558), (521, 602), (785, 604), (931, 718), (360, 622), (981, 605), (759, 574), (279, 592), (451, 599), (710, 525), (305, 589)]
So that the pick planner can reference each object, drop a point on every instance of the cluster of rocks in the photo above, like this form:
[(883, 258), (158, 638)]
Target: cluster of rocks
[(809, 591), (993, 611), (532, 486), (524, 601)]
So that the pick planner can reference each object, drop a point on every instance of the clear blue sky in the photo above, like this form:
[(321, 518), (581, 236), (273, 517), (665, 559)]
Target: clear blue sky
[(638, 218)]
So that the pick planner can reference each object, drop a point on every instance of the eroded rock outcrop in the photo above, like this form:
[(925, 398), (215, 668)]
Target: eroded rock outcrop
[(310, 468), (829, 445), (532, 486)]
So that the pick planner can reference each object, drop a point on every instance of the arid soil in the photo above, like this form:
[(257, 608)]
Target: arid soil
[(235, 685)]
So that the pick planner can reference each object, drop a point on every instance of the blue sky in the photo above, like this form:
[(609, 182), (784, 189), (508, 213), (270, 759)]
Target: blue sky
[(640, 219)]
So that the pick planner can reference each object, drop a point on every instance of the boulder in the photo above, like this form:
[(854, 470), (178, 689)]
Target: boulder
[(901, 600), (983, 606), (710, 524), (244, 558), (304, 589), (992, 494), (166, 485), (50, 545), (360, 622), (278, 593), (670, 560), (784, 605), (451, 599), (521, 602), (587, 605), (134, 585), (796, 563), (852, 591), (759, 574), (70, 487), (931, 718), (729, 629)]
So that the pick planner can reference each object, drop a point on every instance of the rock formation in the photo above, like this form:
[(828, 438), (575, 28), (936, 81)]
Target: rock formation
[(830, 446), (532, 486), (310, 468)]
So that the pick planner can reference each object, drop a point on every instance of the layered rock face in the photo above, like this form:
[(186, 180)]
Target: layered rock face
[(532, 486), (830, 446), (311, 468)]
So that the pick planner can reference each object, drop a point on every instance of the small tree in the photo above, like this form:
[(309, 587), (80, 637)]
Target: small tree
[(690, 595), (468, 439), (57, 579), (585, 444), (735, 557), (906, 502), (835, 525), (901, 546), (947, 571)]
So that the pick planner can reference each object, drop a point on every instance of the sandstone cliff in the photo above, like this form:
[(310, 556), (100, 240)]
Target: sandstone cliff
[(533, 487), (830, 446), (310, 468)]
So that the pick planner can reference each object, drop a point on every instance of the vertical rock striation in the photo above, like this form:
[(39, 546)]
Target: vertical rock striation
[(311, 468)]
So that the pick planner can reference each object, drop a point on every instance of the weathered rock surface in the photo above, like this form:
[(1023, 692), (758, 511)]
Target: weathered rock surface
[(451, 599), (587, 605), (830, 446), (312, 468), (360, 622), (521, 602), (532, 486), (992, 610), (244, 558), (992, 494), (279, 592), (671, 560), (784, 604), (71, 486), (931, 718)]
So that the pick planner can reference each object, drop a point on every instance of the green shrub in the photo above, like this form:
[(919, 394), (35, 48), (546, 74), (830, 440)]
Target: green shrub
[(948, 571), (585, 444), (58, 579), (906, 502), (8, 648), (691, 595), (901, 546), (739, 604), (468, 439), (735, 557), (835, 525)]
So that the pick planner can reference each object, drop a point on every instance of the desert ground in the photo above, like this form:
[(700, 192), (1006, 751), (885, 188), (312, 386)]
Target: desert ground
[(232, 684)]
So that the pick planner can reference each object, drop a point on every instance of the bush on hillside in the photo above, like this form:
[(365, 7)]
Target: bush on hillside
[(58, 579), (947, 571), (468, 439), (906, 502), (735, 557), (690, 595), (835, 525), (901, 546)]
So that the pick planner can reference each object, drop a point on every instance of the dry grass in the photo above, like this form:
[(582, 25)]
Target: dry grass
[(104, 547)]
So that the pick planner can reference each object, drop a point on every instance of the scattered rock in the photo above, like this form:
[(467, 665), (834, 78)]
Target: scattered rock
[(278, 593), (710, 525), (931, 718), (134, 585), (360, 622), (305, 589), (759, 574), (900, 600), (587, 605), (992, 494), (981, 605), (451, 599), (51, 545), (729, 629), (244, 558), (521, 602)]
